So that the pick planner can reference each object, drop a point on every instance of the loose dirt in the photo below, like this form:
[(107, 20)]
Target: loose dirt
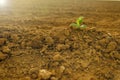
[(36, 42), (59, 54)]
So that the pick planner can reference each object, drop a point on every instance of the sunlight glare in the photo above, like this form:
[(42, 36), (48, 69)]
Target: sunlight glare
[(2, 2)]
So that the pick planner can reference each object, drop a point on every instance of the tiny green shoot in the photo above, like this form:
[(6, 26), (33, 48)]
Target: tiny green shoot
[(78, 23)]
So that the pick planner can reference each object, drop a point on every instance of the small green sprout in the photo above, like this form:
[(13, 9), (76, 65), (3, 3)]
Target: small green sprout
[(78, 23)]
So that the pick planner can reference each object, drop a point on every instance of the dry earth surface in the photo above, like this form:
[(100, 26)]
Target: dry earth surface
[(36, 42)]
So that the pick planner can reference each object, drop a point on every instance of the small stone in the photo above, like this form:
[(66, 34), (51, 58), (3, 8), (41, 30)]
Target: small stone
[(6, 49), (3, 56), (44, 74)]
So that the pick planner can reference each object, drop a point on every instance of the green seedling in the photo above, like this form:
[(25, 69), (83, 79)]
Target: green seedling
[(78, 23)]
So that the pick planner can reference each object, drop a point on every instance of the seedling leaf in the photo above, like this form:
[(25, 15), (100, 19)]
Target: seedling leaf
[(79, 20), (73, 24), (78, 23)]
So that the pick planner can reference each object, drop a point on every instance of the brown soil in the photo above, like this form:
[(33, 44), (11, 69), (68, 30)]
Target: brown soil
[(57, 52)]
